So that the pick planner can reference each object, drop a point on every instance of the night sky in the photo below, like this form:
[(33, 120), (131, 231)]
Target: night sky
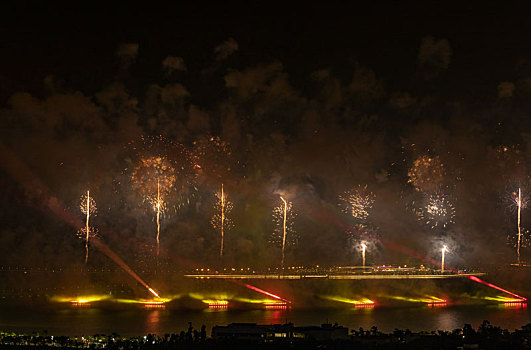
[(311, 102)]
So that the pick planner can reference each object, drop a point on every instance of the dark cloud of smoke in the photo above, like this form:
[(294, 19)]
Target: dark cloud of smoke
[(172, 63), (126, 54), (225, 49), (434, 56)]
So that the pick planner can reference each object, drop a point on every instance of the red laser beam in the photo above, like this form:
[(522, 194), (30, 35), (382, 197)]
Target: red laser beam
[(478, 280), (35, 188), (107, 251), (256, 289)]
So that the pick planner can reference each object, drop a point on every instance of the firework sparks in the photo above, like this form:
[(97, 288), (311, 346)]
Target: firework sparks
[(438, 210), (358, 202), (220, 219), (87, 207), (426, 173), (284, 233), (212, 157)]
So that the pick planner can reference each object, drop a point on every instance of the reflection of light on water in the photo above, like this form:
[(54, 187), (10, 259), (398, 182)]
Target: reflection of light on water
[(153, 320), (275, 316), (446, 319)]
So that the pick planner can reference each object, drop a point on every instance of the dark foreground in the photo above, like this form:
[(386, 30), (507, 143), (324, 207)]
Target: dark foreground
[(486, 336)]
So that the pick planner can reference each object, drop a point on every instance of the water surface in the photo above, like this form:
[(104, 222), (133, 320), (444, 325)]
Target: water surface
[(89, 321)]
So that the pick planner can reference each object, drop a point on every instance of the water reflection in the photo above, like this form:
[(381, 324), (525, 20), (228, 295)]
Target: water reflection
[(153, 320), (93, 321)]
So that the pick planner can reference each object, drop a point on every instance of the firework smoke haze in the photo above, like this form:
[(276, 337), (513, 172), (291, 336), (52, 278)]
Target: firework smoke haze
[(427, 121), (426, 173), (213, 159)]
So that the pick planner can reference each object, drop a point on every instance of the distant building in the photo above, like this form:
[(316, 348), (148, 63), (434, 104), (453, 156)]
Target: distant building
[(248, 331)]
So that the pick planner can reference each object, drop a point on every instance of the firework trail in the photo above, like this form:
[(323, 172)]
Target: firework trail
[(438, 210), (284, 233), (363, 248), (220, 219), (426, 174), (88, 207), (158, 208), (443, 251), (518, 201), (285, 213)]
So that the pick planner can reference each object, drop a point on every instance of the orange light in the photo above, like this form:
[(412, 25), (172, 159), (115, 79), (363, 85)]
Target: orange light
[(437, 303), (218, 304), (365, 304), (80, 303)]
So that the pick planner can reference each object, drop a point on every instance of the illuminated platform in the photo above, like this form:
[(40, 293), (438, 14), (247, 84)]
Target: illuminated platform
[(331, 276), (515, 304), (367, 305), (437, 303), (218, 304), (78, 303), (154, 305), (277, 306)]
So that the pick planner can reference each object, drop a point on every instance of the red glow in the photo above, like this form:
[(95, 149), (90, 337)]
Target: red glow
[(475, 279)]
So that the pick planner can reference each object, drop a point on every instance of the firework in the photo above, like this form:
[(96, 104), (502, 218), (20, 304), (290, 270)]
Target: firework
[(358, 203), (284, 233), (519, 203), (363, 248), (426, 173), (443, 251), (155, 177), (87, 207), (220, 219), (525, 239), (438, 210), (517, 200), (162, 174)]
